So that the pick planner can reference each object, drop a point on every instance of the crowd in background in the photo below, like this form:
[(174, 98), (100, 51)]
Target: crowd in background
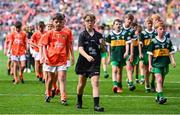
[(30, 12)]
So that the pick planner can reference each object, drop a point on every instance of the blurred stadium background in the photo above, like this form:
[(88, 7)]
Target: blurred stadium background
[(30, 12)]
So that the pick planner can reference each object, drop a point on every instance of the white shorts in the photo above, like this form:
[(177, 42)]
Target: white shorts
[(68, 63), (18, 58), (36, 56), (54, 68)]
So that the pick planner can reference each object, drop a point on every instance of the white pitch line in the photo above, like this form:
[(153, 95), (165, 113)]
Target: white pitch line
[(109, 96), (174, 82)]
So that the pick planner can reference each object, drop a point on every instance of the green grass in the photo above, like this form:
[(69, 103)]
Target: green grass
[(29, 97)]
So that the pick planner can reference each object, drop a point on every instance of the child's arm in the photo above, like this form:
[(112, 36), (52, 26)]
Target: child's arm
[(150, 62), (173, 62), (83, 53), (109, 53), (71, 49), (131, 51), (140, 48), (127, 50)]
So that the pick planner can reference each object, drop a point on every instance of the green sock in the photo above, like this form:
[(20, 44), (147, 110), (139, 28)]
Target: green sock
[(119, 84), (160, 94), (152, 82), (115, 83), (130, 83), (142, 76), (136, 76)]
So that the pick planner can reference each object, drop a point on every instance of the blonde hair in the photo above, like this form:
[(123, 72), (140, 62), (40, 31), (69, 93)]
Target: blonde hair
[(148, 19), (160, 24)]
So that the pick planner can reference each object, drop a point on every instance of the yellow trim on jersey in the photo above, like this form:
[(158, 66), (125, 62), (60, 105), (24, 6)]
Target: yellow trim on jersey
[(135, 43), (118, 43), (147, 42), (161, 52)]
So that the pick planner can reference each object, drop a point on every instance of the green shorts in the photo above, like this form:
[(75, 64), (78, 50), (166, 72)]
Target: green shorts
[(145, 59), (104, 55), (163, 70), (118, 63), (135, 61)]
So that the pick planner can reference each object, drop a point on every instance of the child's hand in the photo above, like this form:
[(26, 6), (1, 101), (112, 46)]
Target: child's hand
[(125, 55), (72, 61), (131, 58), (150, 67), (174, 64), (108, 60), (90, 58), (140, 56)]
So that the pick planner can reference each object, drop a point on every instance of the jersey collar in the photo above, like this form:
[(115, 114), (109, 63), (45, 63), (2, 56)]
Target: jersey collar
[(161, 40), (150, 32), (125, 27)]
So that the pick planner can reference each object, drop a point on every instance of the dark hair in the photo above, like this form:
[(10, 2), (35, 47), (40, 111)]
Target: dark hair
[(18, 24), (58, 16), (117, 20), (129, 16), (92, 16), (41, 24)]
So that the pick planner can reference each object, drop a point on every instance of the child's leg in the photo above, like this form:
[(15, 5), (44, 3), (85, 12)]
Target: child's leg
[(136, 68), (8, 66), (38, 70), (50, 76), (114, 78), (80, 89), (119, 79), (15, 71), (104, 64), (130, 69), (62, 81), (160, 97), (95, 87), (147, 84), (142, 71), (21, 69), (153, 83)]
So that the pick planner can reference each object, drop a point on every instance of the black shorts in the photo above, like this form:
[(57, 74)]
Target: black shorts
[(87, 69)]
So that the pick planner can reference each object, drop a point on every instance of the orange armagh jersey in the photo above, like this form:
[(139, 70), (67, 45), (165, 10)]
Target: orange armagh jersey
[(70, 36), (18, 43), (7, 41), (36, 38), (57, 43)]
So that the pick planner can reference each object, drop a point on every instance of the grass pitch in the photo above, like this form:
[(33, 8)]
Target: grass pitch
[(28, 98)]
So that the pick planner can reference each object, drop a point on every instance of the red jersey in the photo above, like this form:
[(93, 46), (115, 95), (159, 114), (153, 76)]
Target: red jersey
[(69, 33), (19, 43), (57, 43), (36, 39)]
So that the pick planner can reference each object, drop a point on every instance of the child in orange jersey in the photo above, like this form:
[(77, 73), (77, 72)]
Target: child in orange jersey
[(36, 54), (56, 44), (18, 48), (7, 53)]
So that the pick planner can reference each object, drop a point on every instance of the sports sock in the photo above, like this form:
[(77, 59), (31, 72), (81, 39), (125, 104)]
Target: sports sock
[(79, 97), (119, 84), (96, 101), (115, 83)]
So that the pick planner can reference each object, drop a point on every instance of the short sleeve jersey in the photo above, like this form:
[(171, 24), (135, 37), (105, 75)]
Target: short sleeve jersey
[(118, 44), (35, 38), (19, 43), (91, 45), (57, 43), (70, 36), (160, 51), (7, 41), (145, 39), (135, 42)]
